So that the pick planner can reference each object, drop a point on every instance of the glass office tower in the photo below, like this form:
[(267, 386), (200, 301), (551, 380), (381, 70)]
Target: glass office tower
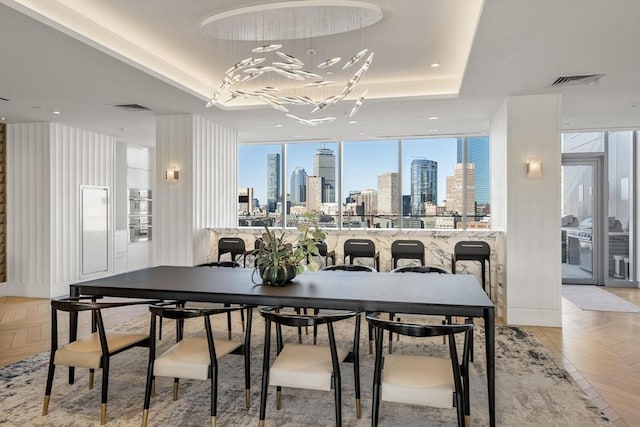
[(273, 181), (298, 186), (478, 154), (324, 166), (424, 185)]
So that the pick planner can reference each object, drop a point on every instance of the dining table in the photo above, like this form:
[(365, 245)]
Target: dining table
[(410, 293)]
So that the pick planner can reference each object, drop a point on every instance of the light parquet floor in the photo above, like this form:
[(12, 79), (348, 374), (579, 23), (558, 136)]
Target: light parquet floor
[(601, 350)]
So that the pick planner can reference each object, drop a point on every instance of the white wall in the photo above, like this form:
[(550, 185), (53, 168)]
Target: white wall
[(528, 210), (206, 193), (46, 165)]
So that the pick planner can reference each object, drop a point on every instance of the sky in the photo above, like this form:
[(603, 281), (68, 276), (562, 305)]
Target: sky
[(363, 162)]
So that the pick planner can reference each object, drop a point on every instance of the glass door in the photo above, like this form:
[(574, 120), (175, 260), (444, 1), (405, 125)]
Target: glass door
[(581, 216)]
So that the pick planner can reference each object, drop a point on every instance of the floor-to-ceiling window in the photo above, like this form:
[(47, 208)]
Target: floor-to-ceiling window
[(425, 183)]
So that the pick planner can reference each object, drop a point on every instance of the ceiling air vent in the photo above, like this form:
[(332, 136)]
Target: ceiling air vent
[(584, 80), (132, 107)]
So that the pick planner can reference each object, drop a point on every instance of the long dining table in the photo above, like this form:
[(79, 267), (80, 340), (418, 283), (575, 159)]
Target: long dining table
[(411, 293)]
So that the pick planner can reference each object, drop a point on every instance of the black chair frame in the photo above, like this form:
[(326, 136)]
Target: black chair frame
[(234, 246), (407, 249), (323, 251), (474, 251), (361, 248), (460, 368), (77, 304), (272, 315), (175, 311)]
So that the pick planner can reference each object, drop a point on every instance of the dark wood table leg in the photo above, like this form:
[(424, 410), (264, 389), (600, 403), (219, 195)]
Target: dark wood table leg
[(74, 291), (489, 334)]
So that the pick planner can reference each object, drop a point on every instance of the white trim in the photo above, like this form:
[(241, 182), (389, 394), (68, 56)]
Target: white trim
[(534, 317)]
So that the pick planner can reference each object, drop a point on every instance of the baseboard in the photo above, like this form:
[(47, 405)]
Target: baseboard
[(532, 317), (4, 289), (29, 290)]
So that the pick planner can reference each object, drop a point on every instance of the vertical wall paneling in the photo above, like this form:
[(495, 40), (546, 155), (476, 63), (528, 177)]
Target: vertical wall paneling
[(47, 163), (3, 204), (28, 208), (205, 195)]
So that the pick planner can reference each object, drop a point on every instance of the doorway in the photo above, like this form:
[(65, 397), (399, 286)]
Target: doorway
[(581, 219)]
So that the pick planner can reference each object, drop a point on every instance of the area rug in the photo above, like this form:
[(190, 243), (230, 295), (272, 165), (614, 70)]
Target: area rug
[(531, 390), (593, 298)]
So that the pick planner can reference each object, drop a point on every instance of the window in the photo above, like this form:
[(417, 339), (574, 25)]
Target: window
[(371, 184), (312, 172), (435, 183)]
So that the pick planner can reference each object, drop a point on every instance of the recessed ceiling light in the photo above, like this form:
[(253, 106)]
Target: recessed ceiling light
[(3, 118), (56, 112), (433, 117), (434, 65), (278, 125), (329, 73), (353, 122), (297, 136), (360, 133)]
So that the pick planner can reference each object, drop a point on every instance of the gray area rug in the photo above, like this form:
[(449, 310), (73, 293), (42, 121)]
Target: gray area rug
[(593, 298), (531, 389)]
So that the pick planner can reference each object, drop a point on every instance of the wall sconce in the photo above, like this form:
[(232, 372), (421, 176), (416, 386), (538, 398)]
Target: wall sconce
[(172, 174), (534, 168)]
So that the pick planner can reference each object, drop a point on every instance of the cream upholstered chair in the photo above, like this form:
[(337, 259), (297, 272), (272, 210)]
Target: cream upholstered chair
[(307, 366), (93, 351), (193, 357), (421, 379)]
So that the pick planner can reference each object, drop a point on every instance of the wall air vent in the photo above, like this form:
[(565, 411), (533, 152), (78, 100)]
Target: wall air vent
[(132, 107), (583, 80)]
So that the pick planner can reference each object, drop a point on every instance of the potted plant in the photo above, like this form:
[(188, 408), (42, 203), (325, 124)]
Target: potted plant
[(279, 261)]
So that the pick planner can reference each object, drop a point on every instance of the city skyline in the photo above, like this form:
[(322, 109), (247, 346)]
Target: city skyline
[(371, 159)]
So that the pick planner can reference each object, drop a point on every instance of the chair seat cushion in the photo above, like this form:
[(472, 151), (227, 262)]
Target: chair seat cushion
[(86, 352), (418, 380), (189, 358), (304, 366)]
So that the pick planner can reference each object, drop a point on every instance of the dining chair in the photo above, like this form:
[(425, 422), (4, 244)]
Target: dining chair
[(407, 249), (347, 267), (220, 264), (473, 250), (325, 253), (234, 246), (361, 248), (93, 351), (424, 269), (421, 379), (253, 252), (308, 366), (193, 357)]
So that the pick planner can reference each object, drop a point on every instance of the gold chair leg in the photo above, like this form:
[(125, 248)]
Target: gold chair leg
[(390, 346), (261, 423), (175, 391), (91, 380), (145, 417), (213, 421), (45, 405), (103, 414), (467, 420), (278, 400), (247, 398), (358, 409)]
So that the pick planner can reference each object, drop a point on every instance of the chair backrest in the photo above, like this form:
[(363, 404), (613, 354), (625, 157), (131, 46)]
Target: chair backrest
[(231, 245), (471, 251), (349, 267), (322, 248), (221, 264), (298, 320), (413, 249), (359, 248), (417, 330), (421, 269), (171, 311)]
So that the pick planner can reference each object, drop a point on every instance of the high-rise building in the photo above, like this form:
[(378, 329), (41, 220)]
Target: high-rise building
[(298, 187), (478, 154), (245, 201), (456, 190), (273, 181), (424, 185), (368, 200), (314, 193), (324, 166), (389, 194)]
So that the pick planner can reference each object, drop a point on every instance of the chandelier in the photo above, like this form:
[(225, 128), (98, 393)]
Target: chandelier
[(270, 73)]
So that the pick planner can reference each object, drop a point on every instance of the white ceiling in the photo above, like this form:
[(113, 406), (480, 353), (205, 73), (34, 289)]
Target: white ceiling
[(151, 52)]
